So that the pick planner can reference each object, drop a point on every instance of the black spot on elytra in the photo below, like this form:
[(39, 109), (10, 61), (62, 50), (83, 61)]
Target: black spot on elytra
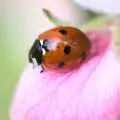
[(63, 32), (67, 50), (60, 64), (58, 47)]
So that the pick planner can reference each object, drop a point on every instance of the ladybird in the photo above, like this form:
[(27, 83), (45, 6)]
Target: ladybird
[(59, 47)]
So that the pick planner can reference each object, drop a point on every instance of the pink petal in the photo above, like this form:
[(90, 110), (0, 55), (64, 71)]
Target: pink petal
[(90, 93)]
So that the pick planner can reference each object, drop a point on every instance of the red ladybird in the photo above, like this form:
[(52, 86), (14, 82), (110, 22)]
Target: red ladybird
[(59, 47)]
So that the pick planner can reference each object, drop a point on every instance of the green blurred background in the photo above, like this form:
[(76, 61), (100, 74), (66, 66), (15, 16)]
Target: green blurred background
[(20, 22)]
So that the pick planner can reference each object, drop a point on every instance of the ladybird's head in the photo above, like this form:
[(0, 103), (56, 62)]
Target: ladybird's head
[(36, 53)]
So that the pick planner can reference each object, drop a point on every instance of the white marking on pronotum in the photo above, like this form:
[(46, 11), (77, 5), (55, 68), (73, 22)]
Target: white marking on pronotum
[(43, 50), (41, 42), (34, 63)]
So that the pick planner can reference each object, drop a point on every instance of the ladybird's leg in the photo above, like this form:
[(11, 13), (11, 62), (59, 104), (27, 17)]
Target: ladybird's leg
[(84, 56), (61, 64), (42, 68)]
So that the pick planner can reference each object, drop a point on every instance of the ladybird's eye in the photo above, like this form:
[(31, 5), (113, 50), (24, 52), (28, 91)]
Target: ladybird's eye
[(67, 50), (63, 31)]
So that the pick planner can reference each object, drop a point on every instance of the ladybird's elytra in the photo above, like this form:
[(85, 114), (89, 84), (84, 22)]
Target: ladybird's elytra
[(67, 50), (57, 47), (63, 31)]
